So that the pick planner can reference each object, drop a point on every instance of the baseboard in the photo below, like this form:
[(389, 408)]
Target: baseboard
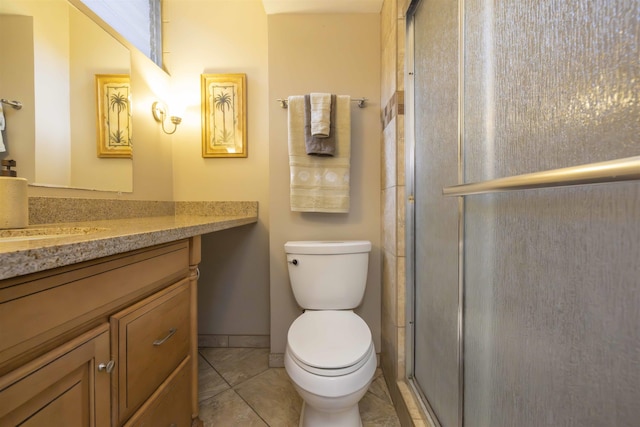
[(238, 341)]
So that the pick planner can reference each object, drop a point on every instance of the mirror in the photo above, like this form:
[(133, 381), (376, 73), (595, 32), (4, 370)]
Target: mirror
[(51, 55)]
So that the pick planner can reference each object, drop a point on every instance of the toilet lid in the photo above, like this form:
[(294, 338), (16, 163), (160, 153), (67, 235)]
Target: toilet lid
[(329, 339)]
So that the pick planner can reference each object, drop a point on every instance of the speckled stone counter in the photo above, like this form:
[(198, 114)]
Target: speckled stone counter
[(110, 237)]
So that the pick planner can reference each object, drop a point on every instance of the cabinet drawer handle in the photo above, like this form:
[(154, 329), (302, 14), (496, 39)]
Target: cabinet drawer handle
[(169, 335)]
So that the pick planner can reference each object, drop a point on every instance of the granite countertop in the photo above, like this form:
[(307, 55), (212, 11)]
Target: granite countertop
[(107, 237)]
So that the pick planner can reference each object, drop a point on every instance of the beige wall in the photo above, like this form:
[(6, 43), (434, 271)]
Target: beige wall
[(50, 64), (16, 83), (93, 51), (224, 36), (250, 295), (324, 53), (153, 169)]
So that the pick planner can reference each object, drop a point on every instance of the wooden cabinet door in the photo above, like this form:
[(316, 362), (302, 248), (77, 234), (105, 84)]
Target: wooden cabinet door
[(152, 337), (62, 388)]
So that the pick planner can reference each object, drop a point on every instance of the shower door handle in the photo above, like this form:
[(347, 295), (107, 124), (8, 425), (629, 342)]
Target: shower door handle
[(627, 169)]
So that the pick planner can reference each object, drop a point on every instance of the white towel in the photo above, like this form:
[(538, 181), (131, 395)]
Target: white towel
[(2, 147), (320, 114), (319, 184)]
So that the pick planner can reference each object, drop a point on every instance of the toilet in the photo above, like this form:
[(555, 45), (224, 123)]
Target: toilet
[(330, 356)]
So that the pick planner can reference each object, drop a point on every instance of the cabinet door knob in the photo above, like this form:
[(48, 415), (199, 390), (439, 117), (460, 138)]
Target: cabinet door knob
[(160, 342), (107, 367)]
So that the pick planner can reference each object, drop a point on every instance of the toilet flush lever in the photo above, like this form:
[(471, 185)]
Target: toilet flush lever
[(293, 261)]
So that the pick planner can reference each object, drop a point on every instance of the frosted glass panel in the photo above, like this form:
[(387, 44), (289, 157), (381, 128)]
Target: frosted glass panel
[(552, 308), (552, 278), (550, 84), (436, 218)]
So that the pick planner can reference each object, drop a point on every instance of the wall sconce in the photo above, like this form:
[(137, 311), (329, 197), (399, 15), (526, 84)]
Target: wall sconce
[(159, 111)]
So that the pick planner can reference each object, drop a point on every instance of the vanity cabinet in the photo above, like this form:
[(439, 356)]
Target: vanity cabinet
[(107, 342)]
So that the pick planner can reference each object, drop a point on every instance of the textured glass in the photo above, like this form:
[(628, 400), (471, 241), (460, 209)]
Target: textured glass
[(552, 277), (436, 218), (550, 84)]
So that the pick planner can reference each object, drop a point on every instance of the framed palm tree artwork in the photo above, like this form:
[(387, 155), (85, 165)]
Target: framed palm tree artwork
[(114, 115), (224, 116)]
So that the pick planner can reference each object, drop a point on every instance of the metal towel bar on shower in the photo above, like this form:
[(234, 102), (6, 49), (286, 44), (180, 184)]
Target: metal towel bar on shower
[(627, 169)]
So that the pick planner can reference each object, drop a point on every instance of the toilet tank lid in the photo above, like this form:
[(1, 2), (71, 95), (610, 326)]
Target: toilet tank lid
[(327, 247)]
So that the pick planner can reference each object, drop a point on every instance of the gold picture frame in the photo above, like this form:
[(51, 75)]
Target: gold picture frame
[(113, 96), (224, 115)]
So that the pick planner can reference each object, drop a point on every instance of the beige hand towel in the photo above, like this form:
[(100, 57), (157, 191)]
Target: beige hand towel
[(320, 114), (319, 184)]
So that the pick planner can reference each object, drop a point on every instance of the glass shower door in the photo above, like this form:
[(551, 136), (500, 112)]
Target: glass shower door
[(435, 233), (551, 276), (526, 304)]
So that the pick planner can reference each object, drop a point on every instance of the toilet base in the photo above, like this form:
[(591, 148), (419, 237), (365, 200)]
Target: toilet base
[(338, 406), (311, 417)]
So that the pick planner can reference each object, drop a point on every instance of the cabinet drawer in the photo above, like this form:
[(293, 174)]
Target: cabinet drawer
[(37, 312), (170, 405), (151, 339)]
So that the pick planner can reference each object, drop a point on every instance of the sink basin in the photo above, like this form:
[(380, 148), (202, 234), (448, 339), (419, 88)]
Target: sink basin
[(23, 234)]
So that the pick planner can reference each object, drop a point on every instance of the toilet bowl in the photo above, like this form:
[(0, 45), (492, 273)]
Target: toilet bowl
[(330, 356), (331, 361)]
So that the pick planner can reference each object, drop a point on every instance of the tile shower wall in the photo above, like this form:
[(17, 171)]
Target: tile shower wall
[(393, 208)]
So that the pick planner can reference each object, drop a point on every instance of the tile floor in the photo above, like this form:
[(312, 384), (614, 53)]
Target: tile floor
[(237, 388)]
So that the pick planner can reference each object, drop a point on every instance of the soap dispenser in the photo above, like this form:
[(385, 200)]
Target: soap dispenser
[(14, 203)]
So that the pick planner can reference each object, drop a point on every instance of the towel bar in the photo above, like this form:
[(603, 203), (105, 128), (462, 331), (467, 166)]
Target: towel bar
[(627, 169), (284, 103), (15, 104)]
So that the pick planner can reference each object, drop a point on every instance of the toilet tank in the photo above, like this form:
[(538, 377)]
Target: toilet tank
[(328, 275)]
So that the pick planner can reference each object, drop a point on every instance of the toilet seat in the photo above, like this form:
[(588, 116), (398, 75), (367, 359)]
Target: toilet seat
[(329, 342), (324, 372)]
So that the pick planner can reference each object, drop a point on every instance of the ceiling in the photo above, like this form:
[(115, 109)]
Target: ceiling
[(322, 6)]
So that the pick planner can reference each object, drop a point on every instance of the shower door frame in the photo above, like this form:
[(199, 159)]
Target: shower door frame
[(410, 251)]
